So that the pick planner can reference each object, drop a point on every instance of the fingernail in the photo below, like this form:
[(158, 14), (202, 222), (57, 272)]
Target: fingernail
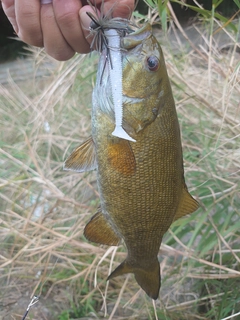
[(85, 20)]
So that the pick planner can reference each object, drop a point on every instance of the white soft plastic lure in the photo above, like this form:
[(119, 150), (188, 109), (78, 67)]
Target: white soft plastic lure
[(115, 71)]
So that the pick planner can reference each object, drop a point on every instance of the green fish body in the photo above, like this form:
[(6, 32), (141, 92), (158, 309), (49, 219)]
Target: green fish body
[(141, 184)]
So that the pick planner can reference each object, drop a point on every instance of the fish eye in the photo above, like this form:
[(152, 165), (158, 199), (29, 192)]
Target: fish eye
[(152, 63)]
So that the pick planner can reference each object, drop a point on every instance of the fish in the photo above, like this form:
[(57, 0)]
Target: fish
[(140, 181)]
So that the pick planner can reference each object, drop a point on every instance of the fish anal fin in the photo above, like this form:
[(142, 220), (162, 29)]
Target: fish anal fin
[(98, 230), (187, 204), (83, 158), (148, 279), (121, 156)]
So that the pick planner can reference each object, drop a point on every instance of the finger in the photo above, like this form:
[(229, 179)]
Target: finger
[(67, 18), (9, 9), (28, 21), (85, 22), (122, 9), (53, 40)]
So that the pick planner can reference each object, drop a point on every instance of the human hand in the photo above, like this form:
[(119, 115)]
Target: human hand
[(61, 26)]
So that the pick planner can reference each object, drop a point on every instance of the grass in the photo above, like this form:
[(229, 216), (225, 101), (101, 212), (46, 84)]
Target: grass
[(43, 209)]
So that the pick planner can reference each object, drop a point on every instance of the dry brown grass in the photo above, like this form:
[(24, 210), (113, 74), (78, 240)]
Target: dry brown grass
[(43, 209)]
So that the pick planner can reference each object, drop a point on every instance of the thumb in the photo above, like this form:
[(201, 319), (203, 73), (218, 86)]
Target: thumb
[(86, 21)]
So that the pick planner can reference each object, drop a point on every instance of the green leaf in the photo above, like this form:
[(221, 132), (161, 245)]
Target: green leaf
[(216, 3), (237, 3), (226, 21)]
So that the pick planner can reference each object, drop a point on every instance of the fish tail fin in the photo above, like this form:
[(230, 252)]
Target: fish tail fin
[(148, 279)]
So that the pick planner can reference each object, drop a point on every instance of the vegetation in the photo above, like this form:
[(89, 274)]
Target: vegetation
[(43, 209)]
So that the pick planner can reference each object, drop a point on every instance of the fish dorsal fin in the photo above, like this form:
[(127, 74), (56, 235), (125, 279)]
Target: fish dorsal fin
[(98, 230), (83, 158), (121, 157), (187, 204)]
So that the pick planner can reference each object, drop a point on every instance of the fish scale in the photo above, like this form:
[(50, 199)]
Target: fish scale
[(140, 210), (141, 184)]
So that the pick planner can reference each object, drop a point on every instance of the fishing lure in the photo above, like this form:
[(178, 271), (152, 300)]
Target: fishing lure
[(115, 71), (107, 33)]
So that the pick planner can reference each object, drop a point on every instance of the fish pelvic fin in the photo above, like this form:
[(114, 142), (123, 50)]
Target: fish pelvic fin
[(99, 230), (148, 279), (187, 204), (83, 158)]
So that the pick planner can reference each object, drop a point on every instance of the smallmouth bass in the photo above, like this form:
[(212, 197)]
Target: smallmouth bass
[(141, 184)]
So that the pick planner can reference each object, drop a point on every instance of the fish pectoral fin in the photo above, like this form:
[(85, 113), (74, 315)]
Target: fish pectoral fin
[(98, 230), (121, 157), (83, 158), (148, 279), (187, 204)]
